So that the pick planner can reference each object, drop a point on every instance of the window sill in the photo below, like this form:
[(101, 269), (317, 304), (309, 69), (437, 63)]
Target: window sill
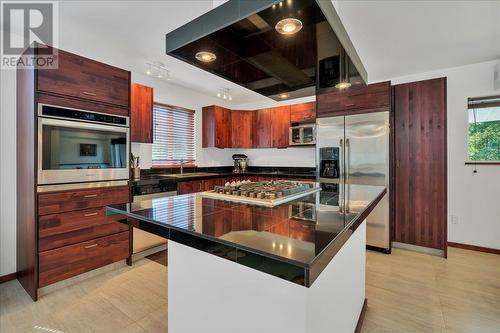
[(482, 163), (177, 166)]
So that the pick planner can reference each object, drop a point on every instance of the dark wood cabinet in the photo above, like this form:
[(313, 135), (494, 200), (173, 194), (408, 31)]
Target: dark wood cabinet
[(68, 228), (303, 112), (65, 201), (68, 261), (85, 79), (141, 113), (280, 126), (241, 129), (216, 127), (53, 222), (262, 128), (420, 180), (372, 98)]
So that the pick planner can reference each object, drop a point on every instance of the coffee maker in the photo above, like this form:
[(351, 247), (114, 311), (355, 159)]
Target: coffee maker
[(240, 163)]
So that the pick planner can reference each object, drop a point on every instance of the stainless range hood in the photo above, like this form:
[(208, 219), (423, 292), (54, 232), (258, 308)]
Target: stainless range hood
[(244, 43)]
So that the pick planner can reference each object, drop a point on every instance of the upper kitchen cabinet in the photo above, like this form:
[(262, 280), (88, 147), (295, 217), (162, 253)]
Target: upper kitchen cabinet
[(262, 128), (216, 128), (280, 126), (141, 114), (303, 113), (372, 98), (241, 129), (87, 80)]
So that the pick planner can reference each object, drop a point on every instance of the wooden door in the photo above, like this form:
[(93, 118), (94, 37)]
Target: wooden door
[(222, 127), (303, 112), (262, 128), (241, 129), (280, 126), (141, 114), (420, 156)]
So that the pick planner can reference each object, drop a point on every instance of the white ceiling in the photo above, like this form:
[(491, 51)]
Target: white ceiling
[(393, 38), (397, 38)]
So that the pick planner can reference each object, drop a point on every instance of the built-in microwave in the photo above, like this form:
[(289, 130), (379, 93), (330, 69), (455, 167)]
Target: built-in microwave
[(81, 146), (301, 135)]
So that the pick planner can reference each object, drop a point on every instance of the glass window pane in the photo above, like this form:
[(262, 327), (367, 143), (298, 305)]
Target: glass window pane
[(484, 134), (173, 135)]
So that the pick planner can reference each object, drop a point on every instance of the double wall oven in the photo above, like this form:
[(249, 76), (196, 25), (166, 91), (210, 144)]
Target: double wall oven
[(77, 146)]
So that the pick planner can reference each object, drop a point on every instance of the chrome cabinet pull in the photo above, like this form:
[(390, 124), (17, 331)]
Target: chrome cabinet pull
[(90, 246), (91, 214), (90, 196), (88, 93)]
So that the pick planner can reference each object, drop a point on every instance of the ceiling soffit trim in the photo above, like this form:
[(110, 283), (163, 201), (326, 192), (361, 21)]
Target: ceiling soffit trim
[(218, 18), (333, 18)]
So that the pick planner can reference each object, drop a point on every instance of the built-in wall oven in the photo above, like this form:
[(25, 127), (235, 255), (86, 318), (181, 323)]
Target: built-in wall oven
[(81, 146)]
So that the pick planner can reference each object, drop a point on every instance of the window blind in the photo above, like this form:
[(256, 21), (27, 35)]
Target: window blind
[(173, 135)]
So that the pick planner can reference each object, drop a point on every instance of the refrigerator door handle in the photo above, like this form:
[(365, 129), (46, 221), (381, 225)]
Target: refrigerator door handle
[(341, 176), (347, 165)]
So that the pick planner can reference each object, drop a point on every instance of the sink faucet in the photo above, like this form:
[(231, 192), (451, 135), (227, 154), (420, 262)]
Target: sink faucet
[(182, 162)]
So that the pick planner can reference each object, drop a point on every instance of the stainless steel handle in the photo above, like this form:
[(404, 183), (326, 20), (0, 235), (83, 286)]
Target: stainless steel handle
[(88, 93), (341, 176), (347, 166), (91, 246), (90, 196), (91, 214)]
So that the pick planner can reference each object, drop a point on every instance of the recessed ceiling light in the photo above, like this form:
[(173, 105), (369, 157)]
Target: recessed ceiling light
[(288, 26), (205, 56), (342, 85), (284, 95)]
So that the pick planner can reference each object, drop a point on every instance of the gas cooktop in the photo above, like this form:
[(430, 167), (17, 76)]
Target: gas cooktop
[(268, 193)]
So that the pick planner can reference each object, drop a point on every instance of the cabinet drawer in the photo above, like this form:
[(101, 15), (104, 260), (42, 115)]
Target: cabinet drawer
[(56, 230), (64, 201), (65, 262), (84, 78)]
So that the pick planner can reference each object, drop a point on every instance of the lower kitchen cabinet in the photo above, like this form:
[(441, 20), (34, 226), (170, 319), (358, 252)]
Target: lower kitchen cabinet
[(68, 261), (75, 235)]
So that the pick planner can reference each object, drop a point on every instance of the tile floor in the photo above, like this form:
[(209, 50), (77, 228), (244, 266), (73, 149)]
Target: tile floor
[(406, 291)]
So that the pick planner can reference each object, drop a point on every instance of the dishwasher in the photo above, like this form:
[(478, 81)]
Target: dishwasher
[(145, 243)]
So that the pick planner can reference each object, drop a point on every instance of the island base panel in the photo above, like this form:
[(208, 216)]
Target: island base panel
[(210, 294)]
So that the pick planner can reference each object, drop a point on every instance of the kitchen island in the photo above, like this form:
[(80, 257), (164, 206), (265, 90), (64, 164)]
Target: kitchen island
[(238, 267)]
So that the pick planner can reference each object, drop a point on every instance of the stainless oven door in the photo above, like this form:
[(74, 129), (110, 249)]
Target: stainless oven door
[(74, 151)]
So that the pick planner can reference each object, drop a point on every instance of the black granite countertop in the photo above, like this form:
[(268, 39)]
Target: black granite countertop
[(294, 241), (148, 177)]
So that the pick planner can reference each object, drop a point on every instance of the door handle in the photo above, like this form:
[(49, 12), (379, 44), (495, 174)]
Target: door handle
[(88, 93), (90, 196), (347, 165), (341, 176), (91, 246)]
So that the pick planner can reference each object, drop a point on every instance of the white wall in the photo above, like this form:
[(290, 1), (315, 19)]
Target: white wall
[(472, 197)]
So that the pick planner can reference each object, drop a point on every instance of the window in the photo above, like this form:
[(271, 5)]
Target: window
[(173, 135), (484, 129)]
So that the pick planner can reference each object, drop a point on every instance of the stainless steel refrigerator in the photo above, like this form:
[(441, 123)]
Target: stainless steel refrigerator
[(353, 150)]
